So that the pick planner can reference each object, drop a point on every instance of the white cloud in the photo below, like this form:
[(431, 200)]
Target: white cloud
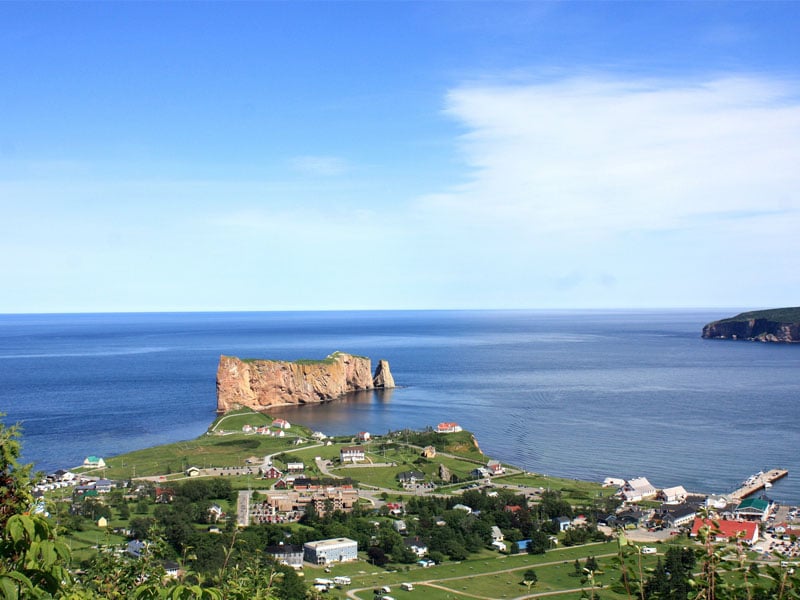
[(323, 166), (600, 156)]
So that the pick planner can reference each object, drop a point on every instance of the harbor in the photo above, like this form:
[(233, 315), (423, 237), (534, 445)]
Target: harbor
[(757, 482)]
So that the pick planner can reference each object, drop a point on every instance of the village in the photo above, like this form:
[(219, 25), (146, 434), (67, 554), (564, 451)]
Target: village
[(401, 476)]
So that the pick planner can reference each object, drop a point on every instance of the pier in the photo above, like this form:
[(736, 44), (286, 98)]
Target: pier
[(758, 482)]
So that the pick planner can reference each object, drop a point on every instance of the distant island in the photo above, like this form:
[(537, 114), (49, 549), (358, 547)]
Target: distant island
[(773, 325), (260, 383)]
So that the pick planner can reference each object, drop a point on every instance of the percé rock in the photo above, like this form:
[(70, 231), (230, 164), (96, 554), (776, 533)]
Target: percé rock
[(383, 376), (258, 384), (775, 325)]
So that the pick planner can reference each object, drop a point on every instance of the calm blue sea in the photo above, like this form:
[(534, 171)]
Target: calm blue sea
[(578, 394)]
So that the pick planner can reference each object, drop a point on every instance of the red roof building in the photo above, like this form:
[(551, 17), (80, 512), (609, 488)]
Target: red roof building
[(448, 428), (724, 530)]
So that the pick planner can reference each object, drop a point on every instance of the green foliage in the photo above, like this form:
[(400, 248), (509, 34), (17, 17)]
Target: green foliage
[(778, 315), (14, 478), (32, 561)]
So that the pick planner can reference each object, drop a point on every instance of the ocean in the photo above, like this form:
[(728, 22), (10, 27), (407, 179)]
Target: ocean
[(581, 394)]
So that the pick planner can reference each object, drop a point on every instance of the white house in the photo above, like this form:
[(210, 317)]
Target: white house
[(352, 454), (417, 546), (638, 489), (497, 535), (673, 495), (93, 461), (281, 424), (363, 436)]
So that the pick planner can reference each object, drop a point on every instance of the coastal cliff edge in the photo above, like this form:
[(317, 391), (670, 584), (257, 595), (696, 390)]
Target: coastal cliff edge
[(775, 325)]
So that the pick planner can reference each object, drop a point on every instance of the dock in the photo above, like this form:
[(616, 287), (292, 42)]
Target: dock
[(758, 482)]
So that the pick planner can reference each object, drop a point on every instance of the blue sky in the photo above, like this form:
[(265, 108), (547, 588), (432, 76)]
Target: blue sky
[(392, 155)]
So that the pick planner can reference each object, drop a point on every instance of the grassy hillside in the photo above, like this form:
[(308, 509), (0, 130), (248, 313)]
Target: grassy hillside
[(778, 315)]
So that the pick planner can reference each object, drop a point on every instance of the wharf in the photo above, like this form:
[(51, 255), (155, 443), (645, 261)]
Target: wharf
[(758, 482)]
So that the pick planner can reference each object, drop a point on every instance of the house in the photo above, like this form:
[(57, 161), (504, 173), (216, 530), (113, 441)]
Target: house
[(429, 452), (164, 495), (563, 523), (247, 429), (495, 467), (271, 473), (171, 568), (480, 473), (724, 530), (716, 502), (752, 509), (629, 518), (62, 475), (281, 424), (463, 507), (411, 477), (295, 467), (93, 461), (399, 526), (215, 513), (416, 545), (324, 552), (287, 554), (501, 546), (448, 428), (352, 454), (497, 535), (637, 489), (192, 472), (363, 436), (677, 516), (104, 486), (394, 508), (102, 522), (673, 495), (135, 548), (318, 435), (522, 545)]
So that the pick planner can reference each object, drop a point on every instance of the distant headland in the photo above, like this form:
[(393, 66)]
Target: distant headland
[(773, 325), (259, 384)]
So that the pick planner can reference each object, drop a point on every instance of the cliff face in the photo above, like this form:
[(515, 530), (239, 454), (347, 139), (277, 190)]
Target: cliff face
[(258, 384), (761, 326)]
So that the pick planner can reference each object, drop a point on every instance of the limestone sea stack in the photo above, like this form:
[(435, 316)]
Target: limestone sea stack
[(259, 384)]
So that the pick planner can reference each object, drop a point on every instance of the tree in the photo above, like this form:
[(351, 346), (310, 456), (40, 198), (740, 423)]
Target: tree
[(32, 561), (377, 556), (15, 494), (591, 564), (529, 579)]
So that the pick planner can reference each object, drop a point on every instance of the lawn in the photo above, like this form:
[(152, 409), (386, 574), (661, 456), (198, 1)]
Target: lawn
[(489, 575), (573, 490), (204, 451)]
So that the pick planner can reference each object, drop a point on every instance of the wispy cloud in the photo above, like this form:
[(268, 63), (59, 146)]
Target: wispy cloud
[(600, 154), (324, 166)]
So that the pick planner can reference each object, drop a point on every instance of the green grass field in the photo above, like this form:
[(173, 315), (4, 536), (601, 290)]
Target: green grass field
[(204, 451), (487, 575)]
